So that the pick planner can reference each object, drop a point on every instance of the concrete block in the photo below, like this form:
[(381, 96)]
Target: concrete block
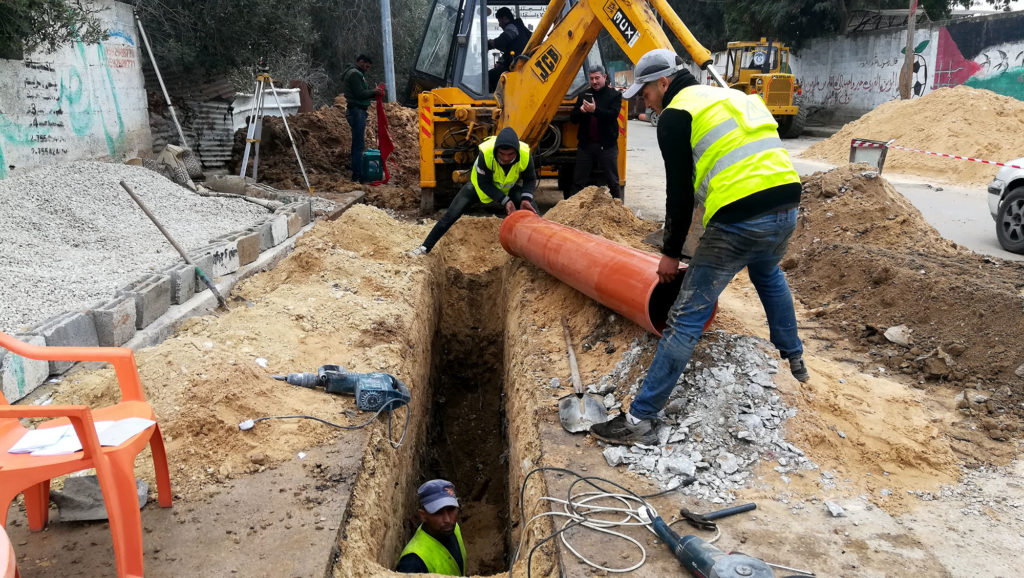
[(204, 263), (71, 329), (114, 320), (152, 295), (183, 282), (224, 258), (279, 229), (294, 224), (20, 375), (303, 209), (248, 246), (266, 235)]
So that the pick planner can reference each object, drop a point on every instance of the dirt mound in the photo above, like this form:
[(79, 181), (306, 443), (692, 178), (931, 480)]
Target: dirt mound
[(959, 120), (864, 260), (324, 140), (593, 210)]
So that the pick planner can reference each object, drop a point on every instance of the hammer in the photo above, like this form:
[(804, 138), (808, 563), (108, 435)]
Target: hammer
[(706, 521)]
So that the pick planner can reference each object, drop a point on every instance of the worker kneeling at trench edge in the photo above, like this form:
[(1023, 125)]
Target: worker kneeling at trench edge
[(503, 173), (437, 545)]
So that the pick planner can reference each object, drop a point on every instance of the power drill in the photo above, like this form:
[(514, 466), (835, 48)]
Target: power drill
[(704, 560), (373, 391)]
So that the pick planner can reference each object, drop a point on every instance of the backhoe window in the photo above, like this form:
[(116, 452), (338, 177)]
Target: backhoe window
[(472, 73), (437, 42), (754, 58)]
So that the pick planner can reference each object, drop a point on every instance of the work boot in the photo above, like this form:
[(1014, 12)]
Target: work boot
[(798, 368), (421, 250), (620, 431)]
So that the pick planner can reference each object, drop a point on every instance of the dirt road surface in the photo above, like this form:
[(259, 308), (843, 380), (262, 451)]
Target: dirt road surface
[(917, 443)]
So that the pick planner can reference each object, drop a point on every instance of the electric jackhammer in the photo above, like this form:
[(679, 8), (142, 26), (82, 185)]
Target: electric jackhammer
[(373, 391), (704, 560)]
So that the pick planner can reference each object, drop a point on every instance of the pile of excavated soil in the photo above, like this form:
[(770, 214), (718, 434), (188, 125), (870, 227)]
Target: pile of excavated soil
[(960, 120), (594, 211), (864, 260), (324, 140)]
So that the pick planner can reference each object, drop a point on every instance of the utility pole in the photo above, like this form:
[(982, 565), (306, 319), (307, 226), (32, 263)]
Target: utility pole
[(389, 53), (907, 76)]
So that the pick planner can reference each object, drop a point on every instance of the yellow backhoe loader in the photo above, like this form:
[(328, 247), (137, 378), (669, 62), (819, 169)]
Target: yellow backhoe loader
[(450, 83), (762, 68)]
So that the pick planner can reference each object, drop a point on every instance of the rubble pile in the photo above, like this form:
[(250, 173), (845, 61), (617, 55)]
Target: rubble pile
[(722, 420)]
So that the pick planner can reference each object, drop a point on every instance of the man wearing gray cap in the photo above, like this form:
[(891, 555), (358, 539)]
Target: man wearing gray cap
[(721, 150), (437, 545)]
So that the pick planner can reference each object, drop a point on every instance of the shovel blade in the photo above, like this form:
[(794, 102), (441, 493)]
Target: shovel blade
[(577, 414)]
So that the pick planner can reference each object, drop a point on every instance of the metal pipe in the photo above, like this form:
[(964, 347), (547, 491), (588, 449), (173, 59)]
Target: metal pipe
[(156, 69), (389, 53), (619, 277)]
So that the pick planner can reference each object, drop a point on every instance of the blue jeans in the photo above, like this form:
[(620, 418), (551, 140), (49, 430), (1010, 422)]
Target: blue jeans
[(725, 249), (357, 120)]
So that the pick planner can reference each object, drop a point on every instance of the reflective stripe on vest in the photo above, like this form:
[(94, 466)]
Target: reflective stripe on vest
[(736, 147), (504, 181), (433, 553)]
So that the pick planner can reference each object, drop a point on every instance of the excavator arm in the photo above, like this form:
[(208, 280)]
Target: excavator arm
[(528, 96)]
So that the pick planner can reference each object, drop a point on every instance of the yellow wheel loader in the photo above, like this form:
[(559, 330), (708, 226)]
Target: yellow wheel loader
[(762, 68), (449, 81)]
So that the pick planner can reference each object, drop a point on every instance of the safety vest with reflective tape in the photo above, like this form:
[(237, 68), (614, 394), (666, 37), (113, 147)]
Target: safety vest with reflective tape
[(736, 147), (504, 181), (433, 553)]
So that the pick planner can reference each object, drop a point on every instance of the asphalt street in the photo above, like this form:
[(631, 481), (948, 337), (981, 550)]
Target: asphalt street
[(959, 214)]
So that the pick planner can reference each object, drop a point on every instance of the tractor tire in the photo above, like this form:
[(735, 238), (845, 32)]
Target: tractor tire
[(793, 126), (1010, 221)]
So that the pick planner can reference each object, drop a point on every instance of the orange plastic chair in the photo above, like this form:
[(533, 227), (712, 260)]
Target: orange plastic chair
[(8, 563), (115, 466)]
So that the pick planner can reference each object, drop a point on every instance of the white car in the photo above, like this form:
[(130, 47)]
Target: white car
[(1006, 203)]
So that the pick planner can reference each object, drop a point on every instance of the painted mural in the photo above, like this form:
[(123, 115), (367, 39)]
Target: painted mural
[(853, 75), (86, 101)]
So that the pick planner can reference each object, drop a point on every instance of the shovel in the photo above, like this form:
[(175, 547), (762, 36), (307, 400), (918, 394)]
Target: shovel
[(577, 411)]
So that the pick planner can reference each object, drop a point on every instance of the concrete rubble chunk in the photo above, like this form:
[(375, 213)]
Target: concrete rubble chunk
[(677, 465), (835, 509), (152, 298), (19, 375), (81, 499), (899, 334), (71, 329), (114, 321), (615, 455), (1019, 372), (727, 462)]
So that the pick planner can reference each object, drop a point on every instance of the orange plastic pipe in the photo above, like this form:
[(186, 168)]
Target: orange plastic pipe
[(621, 278)]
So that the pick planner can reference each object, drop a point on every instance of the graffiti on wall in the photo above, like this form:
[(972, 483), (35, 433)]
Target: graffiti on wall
[(873, 80), (61, 103), (987, 55)]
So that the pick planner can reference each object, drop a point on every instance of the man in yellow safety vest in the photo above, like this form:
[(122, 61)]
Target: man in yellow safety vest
[(721, 149), (437, 545), (503, 173)]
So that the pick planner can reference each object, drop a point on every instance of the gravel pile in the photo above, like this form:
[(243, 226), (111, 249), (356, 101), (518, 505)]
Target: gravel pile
[(722, 419), (71, 236)]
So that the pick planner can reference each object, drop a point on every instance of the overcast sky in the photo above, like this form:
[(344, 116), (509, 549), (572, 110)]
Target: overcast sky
[(1014, 5)]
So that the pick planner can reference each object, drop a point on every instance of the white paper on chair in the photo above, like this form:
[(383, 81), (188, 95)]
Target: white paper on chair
[(63, 440)]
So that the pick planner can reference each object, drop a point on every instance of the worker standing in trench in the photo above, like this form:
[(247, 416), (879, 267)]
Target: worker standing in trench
[(503, 173), (722, 148), (437, 545)]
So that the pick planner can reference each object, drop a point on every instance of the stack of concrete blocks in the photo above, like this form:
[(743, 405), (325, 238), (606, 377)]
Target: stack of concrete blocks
[(114, 322)]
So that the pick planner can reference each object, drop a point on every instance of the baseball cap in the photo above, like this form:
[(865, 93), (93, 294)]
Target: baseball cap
[(652, 66), (437, 494)]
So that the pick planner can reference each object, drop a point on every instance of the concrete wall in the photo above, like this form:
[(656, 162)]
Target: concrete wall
[(849, 76), (81, 102)]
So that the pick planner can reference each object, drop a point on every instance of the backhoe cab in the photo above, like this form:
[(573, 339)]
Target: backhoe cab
[(449, 84), (762, 68)]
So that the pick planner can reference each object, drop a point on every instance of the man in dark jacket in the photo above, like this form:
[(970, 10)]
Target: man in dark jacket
[(503, 173), (597, 114), (511, 42), (357, 97)]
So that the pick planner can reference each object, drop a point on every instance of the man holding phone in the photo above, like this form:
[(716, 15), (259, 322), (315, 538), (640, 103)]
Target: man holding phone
[(597, 114)]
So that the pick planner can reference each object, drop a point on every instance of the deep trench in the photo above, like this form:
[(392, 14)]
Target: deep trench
[(466, 437)]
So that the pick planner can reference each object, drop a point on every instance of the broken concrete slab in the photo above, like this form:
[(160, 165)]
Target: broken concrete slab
[(114, 320), (70, 329), (81, 500), (21, 375), (152, 296)]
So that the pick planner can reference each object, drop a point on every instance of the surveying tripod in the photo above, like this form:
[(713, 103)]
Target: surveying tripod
[(255, 130)]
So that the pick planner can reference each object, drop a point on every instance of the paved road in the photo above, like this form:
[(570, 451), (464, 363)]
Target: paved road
[(959, 214)]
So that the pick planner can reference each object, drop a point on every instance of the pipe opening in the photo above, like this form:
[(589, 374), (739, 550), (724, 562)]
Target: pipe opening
[(661, 300)]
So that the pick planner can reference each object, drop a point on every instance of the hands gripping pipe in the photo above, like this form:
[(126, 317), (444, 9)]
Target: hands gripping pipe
[(621, 278)]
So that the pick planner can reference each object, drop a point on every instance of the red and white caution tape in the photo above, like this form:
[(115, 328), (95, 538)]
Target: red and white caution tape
[(859, 143)]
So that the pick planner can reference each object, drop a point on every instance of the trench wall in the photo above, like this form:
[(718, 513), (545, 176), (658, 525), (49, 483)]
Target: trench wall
[(85, 101)]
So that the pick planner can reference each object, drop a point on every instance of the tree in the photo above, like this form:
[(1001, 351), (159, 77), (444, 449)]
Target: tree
[(28, 25)]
